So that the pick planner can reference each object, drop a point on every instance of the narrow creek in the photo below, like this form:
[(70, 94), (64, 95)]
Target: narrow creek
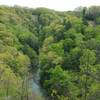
[(37, 90)]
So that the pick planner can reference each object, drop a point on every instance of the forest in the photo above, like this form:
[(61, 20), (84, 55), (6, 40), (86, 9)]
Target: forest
[(64, 46)]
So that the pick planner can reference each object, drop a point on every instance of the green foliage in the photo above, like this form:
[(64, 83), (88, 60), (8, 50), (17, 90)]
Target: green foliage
[(65, 46), (71, 60), (88, 72), (60, 84)]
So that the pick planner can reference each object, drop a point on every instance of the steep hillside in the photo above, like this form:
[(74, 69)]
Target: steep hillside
[(64, 46)]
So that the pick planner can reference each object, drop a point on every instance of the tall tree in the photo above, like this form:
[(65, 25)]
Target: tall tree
[(87, 68)]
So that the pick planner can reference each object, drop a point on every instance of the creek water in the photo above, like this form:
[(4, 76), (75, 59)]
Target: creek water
[(37, 90)]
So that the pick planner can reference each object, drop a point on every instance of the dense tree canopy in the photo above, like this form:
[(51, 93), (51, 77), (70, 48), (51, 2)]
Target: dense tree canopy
[(65, 46)]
